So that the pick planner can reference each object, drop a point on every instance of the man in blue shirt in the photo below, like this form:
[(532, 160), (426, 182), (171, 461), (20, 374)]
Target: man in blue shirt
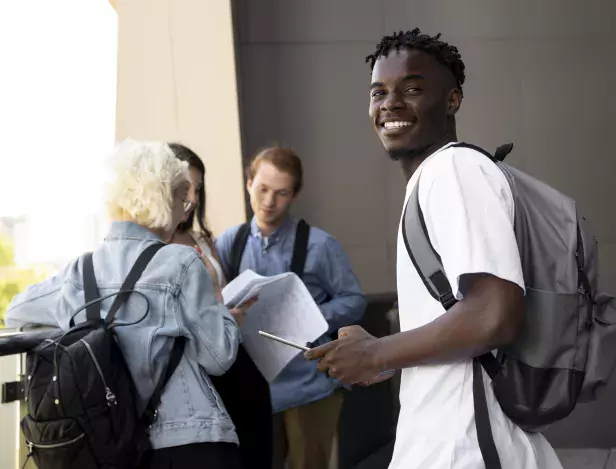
[(306, 403)]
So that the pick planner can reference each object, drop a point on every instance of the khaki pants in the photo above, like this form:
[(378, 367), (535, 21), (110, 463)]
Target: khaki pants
[(306, 436)]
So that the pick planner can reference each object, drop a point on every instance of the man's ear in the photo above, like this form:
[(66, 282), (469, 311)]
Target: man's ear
[(454, 102), (249, 185)]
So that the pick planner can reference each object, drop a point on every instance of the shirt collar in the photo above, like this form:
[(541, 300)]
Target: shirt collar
[(129, 230), (278, 233)]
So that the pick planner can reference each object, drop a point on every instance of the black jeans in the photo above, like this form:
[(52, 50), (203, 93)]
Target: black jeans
[(197, 456)]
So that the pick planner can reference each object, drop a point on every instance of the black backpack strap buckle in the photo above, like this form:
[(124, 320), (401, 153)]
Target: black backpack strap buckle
[(149, 416), (448, 300), (13, 391)]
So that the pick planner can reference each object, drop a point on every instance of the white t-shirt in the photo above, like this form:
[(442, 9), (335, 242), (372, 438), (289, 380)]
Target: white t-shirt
[(469, 211)]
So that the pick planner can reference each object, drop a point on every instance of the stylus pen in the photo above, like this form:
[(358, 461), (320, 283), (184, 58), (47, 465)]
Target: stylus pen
[(284, 341)]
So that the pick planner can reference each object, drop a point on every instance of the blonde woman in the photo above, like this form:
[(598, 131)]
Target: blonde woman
[(147, 199)]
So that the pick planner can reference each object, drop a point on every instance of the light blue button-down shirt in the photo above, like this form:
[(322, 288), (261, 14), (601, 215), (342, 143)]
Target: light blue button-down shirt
[(329, 279)]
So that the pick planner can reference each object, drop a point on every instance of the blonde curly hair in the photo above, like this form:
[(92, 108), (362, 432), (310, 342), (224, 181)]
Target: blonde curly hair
[(141, 179)]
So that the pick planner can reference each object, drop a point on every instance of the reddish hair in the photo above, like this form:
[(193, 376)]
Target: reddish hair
[(283, 159)]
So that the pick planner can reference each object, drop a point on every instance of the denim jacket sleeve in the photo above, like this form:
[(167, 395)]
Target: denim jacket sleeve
[(212, 332), (39, 303)]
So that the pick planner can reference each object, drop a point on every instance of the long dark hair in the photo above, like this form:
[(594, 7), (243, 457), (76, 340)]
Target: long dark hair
[(186, 154)]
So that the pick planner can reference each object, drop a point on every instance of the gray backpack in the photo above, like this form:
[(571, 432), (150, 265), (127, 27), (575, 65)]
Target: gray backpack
[(567, 349)]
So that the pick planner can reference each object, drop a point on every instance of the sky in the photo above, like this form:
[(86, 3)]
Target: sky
[(58, 68)]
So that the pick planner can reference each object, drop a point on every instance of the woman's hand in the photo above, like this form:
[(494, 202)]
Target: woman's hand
[(212, 271), (239, 312)]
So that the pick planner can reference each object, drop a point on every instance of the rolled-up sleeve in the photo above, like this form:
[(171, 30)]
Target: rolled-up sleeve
[(224, 245), (348, 303), (212, 332)]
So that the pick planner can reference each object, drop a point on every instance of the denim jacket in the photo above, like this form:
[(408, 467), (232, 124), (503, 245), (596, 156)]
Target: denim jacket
[(182, 303)]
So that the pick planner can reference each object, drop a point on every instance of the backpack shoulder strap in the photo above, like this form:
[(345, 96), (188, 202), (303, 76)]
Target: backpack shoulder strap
[(426, 260), (151, 409), (131, 279), (487, 447), (92, 293), (499, 155), (300, 248), (237, 251), (430, 269), (502, 151), (90, 290)]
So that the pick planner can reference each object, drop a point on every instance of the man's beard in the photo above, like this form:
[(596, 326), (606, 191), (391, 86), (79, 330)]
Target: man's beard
[(402, 154)]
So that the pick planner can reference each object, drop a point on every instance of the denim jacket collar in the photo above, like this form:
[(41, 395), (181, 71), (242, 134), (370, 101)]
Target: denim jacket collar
[(130, 230)]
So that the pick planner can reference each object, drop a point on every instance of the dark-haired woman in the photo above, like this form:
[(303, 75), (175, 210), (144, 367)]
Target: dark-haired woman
[(243, 390)]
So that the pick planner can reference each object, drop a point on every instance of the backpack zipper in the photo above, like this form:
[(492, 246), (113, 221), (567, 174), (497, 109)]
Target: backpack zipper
[(110, 396), (31, 445)]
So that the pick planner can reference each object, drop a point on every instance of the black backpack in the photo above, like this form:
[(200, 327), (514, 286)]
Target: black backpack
[(82, 411)]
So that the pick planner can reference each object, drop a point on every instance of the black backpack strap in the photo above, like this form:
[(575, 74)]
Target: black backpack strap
[(237, 251), (300, 248), (489, 453), (131, 279), (490, 364), (92, 294), (499, 155), (430, 269), (151, 410), (502, 151), (476, 148), (90, 290)]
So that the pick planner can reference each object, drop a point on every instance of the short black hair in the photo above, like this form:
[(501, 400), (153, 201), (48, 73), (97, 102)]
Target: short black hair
[(446, 54)]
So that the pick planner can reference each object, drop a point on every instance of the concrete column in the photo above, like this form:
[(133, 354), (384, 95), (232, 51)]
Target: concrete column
[(177, 82)]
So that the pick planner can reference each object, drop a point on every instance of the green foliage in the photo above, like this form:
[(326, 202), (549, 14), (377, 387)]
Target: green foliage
[(12, 279), (6, 252)]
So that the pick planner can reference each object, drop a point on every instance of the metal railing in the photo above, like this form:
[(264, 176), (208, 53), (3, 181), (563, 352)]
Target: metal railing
[(11, 341), (12, 378)]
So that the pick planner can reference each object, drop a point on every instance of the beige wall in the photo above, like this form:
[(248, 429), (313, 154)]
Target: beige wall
[(177, 81), (10, 436)]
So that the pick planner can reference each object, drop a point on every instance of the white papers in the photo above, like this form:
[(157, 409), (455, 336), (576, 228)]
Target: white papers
[(285, 308)]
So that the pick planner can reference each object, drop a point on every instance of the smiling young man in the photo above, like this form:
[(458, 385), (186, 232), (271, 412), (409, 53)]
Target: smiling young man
[(306, 403), (468, 208)]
